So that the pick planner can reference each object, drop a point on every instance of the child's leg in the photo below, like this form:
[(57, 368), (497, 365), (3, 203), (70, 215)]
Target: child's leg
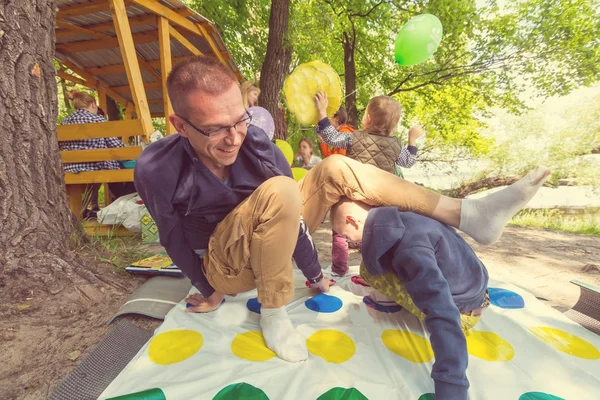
[(339, 254), (389, 287), (483, 219)]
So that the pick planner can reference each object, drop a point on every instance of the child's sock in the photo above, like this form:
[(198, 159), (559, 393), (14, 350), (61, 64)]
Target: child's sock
[(484, 219), (280, 335)]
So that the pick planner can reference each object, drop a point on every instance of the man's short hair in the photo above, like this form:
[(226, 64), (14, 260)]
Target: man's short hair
[(198, 73)]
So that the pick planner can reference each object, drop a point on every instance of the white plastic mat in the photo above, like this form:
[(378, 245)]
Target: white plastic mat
[(521, 349)]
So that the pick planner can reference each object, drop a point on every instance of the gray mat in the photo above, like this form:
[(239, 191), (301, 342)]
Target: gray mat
[(99, 368), (156, 297), (587, 310)]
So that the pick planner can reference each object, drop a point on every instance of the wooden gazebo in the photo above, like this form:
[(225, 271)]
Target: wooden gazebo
[(124, 50)]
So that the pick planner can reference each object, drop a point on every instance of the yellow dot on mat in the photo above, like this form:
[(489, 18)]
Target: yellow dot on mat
[(251, 346), (566, 342), (333, 346), (174, 346), (408, 345), (489, 346)]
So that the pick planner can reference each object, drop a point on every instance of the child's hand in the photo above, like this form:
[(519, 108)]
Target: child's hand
[(414, 133), (322, 103)]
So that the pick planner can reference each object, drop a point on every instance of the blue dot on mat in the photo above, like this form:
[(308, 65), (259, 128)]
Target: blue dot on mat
[(505, 298), (324, 303), (253, 305)]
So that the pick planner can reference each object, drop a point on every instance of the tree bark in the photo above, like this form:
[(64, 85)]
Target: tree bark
[(349, 42), (35, 219), (277, 61)]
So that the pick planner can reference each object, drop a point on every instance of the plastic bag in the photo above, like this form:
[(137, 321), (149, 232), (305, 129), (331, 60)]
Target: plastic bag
[(123, 211)]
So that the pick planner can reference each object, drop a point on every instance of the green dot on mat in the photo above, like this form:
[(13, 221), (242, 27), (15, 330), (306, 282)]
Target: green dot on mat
[(339, 393), (427, 396), (240, 390), (150, 394), (538, 396)]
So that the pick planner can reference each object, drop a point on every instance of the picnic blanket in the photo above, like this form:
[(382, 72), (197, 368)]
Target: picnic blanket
[(521, 349)]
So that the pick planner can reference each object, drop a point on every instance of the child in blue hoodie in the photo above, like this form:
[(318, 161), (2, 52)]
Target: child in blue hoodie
[(427, 268)]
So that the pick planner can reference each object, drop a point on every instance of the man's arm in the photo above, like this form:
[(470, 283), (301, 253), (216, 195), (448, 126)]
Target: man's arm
[(423, 280), (170, 230), (305, 253)]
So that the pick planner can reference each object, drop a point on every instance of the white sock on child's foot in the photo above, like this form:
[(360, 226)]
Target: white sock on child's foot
[(484, 219), (280, 335)]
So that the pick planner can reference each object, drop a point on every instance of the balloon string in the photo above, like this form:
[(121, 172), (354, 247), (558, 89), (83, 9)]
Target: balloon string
[(361, 86)]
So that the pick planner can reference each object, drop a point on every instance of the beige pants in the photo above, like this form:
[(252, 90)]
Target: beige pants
[(252, 247), (338, 176)]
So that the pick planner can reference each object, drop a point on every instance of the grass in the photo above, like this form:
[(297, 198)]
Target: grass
[(118, 251), (555, 219)]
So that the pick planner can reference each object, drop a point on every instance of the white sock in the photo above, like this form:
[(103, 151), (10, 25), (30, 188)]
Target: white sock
[(280, 335), (484, 219)]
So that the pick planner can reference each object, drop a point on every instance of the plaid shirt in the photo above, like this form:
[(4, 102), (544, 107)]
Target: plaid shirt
[(407, 157), (86, 117)]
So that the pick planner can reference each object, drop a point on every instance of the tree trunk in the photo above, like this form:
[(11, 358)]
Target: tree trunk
[(277, 61), (112, 109), (35, 219), (349, 42)]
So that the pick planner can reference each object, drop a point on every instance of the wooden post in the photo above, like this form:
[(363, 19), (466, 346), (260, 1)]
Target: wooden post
[(164, 40), (132, 67), (102, 102)]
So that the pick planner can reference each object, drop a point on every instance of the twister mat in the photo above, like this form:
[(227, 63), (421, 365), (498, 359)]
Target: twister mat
[(521, 350)]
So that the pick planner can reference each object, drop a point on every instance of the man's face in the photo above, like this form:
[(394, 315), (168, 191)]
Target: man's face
[(210, 112)]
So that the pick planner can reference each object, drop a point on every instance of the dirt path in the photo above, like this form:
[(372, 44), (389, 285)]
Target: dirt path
[(36, 344)]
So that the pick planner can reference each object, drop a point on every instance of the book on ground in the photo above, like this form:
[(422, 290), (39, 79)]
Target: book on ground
[(159, 264)]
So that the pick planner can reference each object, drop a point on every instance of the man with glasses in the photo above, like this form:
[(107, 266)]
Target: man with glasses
[(229, 212), (226, 206)]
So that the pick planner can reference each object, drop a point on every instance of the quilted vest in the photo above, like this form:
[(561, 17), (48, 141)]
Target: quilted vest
[(380, 151)]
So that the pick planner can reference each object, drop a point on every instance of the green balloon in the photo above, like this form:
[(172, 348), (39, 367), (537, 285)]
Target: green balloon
[(418, 39)]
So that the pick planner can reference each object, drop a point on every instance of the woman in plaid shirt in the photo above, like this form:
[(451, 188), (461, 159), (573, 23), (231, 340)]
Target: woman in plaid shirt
[(87, 113)]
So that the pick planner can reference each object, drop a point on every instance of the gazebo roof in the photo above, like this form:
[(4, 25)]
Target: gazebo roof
[(87, 43)]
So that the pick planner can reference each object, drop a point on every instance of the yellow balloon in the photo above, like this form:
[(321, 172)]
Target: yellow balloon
[(301, 86), (286, 149), (299, 173)]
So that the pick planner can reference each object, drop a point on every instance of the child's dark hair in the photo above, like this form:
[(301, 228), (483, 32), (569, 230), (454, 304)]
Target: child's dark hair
[(308, 142), (341, 115)]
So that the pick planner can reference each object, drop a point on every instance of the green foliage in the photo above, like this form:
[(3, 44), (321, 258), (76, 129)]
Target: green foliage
[(490, 53), (559, 139), (244, 26), (555, 219)]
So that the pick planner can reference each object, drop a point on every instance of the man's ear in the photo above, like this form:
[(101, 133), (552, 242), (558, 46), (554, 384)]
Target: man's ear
[(178, 124)]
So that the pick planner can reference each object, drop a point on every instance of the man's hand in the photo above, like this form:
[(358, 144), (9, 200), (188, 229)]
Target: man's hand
[(413, 134), (322, 103), (203, 305), (322, 286), (320, 138)]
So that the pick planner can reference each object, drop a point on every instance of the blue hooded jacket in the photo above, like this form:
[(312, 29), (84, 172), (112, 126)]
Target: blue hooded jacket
[(442, 275), (187, 201)]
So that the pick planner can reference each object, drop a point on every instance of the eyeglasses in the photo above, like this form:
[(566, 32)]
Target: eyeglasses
[(224, 130)]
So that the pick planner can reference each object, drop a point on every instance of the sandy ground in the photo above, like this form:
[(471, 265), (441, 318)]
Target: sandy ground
[(43, 343)]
